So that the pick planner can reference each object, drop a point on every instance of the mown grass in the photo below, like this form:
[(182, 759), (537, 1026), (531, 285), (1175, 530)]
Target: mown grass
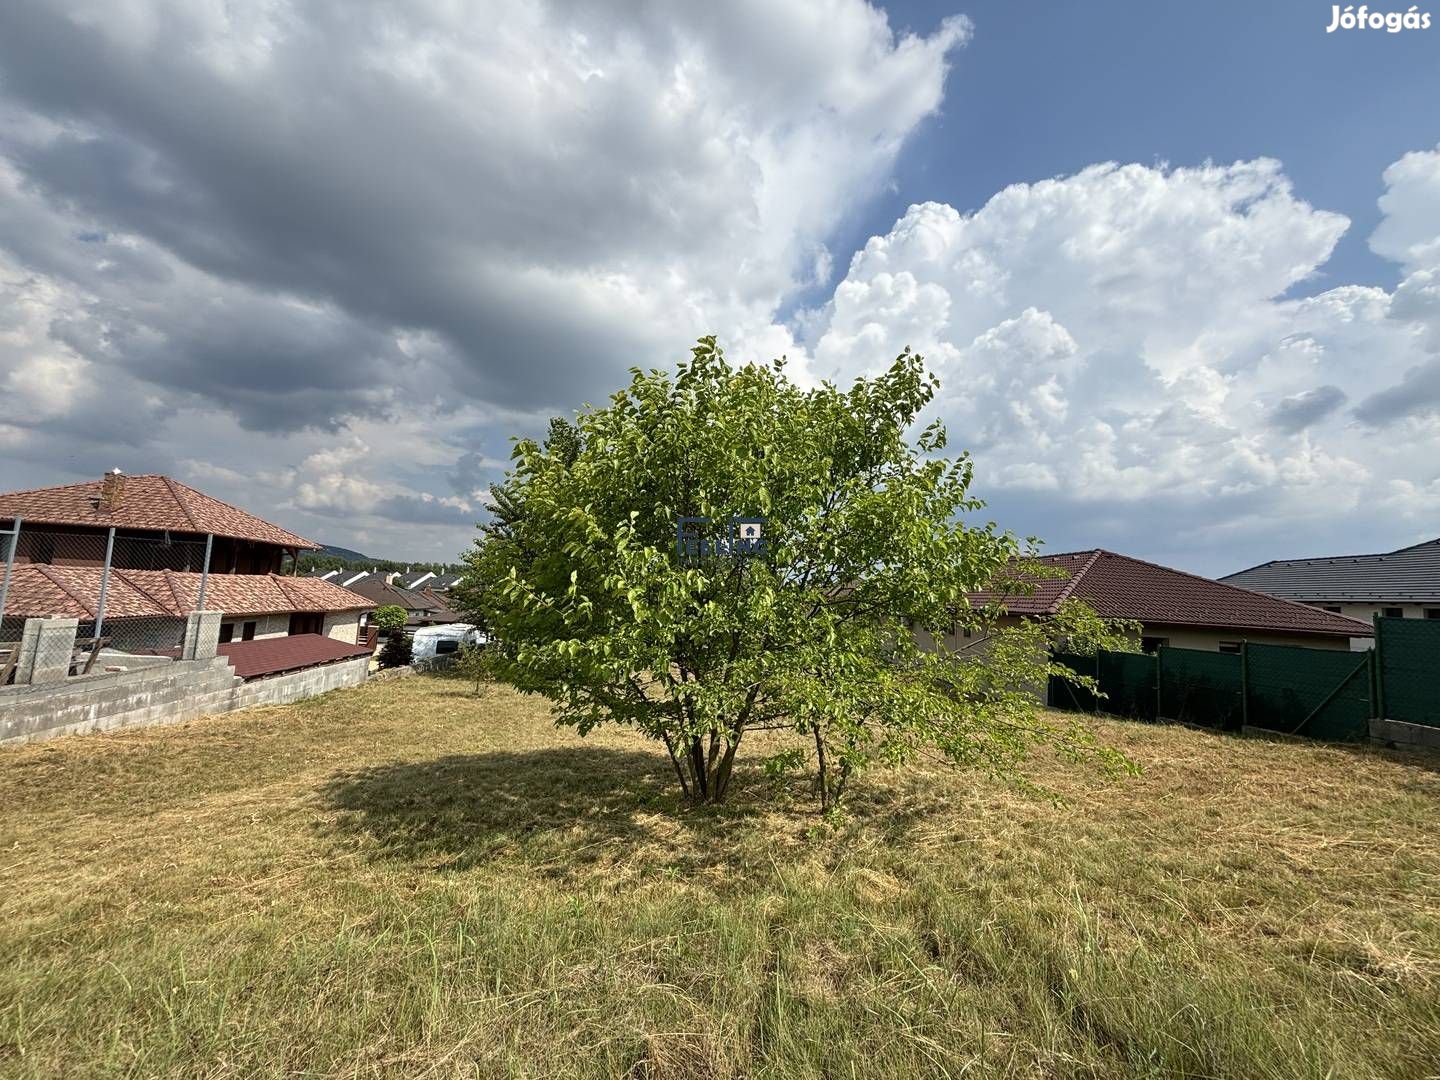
[(407, 880)]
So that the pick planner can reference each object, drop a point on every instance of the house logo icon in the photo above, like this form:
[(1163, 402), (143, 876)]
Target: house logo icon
[(741, 536)]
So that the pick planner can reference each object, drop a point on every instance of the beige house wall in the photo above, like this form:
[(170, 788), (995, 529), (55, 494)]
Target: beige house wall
[(266, 626), (340, 625), (1177, 637), (1366, 612), (343, 626), (1208, 640)]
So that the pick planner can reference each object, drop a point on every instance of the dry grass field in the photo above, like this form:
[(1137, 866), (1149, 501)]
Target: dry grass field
[(408, 880)]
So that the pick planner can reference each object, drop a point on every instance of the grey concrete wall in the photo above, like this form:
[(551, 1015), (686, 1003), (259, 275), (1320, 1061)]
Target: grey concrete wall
[(1403, 736), (163, 694)]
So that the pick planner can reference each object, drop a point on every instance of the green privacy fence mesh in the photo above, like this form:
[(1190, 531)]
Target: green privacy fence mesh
[(1128, 680), (1200, 687), (1322, 693), (1408, 659)]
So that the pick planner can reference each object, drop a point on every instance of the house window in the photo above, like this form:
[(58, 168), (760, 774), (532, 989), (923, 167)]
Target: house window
[(1332, 608), (1393, 612), (446, 645), (1432, 613), (247, 631), (1230, 646), (1153, 644), (307, 622), (227, 632)]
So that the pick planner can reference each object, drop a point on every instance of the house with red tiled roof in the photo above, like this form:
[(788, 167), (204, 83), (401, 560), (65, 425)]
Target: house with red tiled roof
[(157, 531), (1174, 608), (69, 525)]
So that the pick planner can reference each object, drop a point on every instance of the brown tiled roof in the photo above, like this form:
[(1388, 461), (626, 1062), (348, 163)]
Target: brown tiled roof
[(270, 656), (442, 609), (73, 592), (381, 592), (146, 502), (1119, 587)]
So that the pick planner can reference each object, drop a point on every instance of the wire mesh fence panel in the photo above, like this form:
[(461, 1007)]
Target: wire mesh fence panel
[(130, 593), (1409, 669), (1064, 694), (1199, 687), (1128, 682), (1322, 693)]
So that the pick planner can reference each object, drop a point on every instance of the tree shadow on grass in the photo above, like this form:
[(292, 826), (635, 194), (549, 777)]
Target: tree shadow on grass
[(567, 812)]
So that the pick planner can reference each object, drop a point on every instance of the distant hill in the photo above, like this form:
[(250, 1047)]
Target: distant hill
[(348, 554), (333, 557)]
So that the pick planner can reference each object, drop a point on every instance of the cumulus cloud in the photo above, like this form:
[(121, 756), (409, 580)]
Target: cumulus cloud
[(1123, 347), (326, 258)]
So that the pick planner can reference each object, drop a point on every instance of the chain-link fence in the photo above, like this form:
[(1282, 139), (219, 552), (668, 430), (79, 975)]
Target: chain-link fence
[(129, 593)]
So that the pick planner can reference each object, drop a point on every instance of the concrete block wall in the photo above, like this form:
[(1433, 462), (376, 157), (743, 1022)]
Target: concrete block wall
[(164, 694), (1403, 736)]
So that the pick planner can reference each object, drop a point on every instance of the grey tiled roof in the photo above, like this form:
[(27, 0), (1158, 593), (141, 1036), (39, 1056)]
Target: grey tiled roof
[(1409, 574)]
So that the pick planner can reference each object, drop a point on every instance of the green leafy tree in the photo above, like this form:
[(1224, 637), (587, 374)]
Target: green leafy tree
[(390, 617), (591, 603)]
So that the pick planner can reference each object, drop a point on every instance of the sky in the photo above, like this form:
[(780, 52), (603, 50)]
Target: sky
[(1177, 266)]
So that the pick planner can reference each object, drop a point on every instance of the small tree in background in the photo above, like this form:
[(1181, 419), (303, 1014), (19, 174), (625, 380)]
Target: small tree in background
[(473, 665), (590, 603), (390, 617)]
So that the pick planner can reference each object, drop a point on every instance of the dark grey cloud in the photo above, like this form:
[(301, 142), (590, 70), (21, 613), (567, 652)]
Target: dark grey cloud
[(1298, 411), (236, 231), (418, 511), (1417, 394), (408, 171)]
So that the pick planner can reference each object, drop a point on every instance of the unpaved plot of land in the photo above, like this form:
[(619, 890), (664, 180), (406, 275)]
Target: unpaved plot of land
[(408, 880)]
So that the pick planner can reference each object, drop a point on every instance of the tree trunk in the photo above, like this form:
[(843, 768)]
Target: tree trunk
[(723, 770), (698, 773), (824, 777)]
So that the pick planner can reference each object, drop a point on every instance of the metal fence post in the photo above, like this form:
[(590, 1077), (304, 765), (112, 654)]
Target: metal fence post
[(9, 564), (1244, 684), (1379, 668), (104, 583), (205, 572), (1159, 682)]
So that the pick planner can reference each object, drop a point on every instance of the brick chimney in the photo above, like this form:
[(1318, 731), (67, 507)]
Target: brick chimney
[(112, 491)]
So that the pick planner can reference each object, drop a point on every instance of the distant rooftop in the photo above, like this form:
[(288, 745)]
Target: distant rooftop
[(1410, 573)]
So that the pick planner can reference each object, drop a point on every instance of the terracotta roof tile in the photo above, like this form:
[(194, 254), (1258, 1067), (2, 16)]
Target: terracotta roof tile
[(147, 502), (1120, 587), (72, 592)]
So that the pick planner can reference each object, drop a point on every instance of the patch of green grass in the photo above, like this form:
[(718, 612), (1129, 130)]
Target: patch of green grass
[(405, 879)]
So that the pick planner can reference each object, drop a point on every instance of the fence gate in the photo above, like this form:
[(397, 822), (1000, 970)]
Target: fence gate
[(1408, 661), (1325, 694)]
